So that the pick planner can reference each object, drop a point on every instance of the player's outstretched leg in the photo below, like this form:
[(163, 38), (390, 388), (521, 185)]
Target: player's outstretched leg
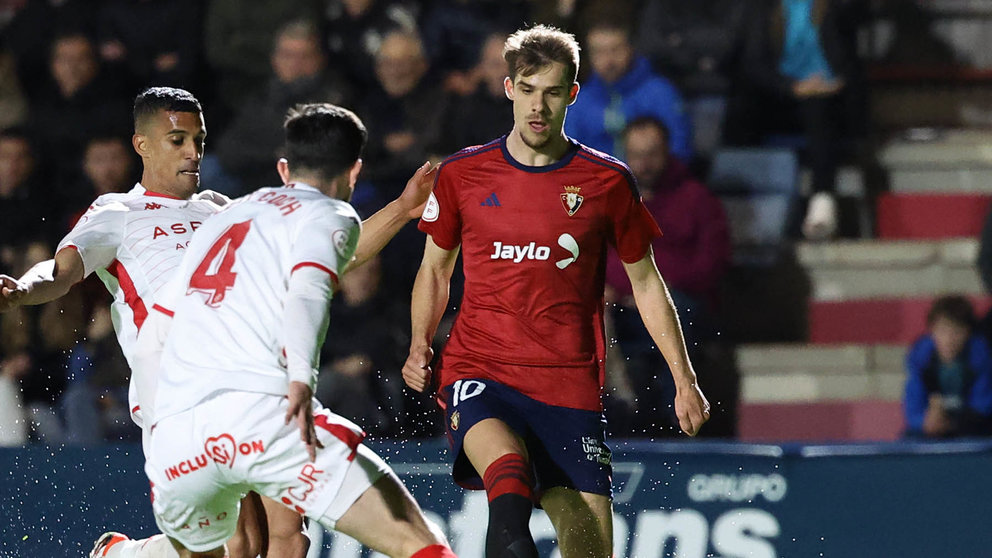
[(501, 459), (218, 552), (251, 538), (265, 528), (387, 519), (287, 534), (117, 545), (583, 522)]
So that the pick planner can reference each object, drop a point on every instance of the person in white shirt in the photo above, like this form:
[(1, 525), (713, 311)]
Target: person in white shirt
[(134, 242), (249, 311)]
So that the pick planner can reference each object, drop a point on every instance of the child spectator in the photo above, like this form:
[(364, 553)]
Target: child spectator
[(949, 375)]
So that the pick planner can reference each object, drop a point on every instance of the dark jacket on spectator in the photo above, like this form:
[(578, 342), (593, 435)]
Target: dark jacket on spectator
[(923, 370), (249, 146), (694, 251)]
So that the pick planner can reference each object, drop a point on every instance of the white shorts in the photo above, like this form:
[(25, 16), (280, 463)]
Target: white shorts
[(202, 461)]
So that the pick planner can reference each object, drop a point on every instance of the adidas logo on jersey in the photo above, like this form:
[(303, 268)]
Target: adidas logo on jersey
[(152, 205), (491, 201)]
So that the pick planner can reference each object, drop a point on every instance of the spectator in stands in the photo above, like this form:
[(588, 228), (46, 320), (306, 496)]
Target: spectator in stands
[(238, 40), (483, 114), (81, 101), (108, 164), (576, 16), (693, 254), (95, 404), (158, 42), (691, 42), (623, 87), (32, 28), (454, 32), (108, 167), (797, 71), (299, 75), (949, 375), (13, 104), (360, 372), (23, 197), (403, 113), (355, 30)]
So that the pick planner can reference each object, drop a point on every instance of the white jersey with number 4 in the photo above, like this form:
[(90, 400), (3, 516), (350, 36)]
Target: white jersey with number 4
[(135, 242), (228, 298)]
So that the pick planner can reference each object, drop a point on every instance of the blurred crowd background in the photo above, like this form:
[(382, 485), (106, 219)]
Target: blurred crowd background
[(791, 151)]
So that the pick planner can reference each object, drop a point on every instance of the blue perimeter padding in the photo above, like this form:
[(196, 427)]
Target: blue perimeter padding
[(701, 498)]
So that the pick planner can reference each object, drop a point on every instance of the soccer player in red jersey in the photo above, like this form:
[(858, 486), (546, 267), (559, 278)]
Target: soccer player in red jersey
[(521, 377)]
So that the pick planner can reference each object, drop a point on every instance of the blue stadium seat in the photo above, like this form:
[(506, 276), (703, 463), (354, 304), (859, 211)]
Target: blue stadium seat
[(759, 191)]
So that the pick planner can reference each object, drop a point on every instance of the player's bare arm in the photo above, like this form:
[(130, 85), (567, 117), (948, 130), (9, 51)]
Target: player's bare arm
[(44, 282), (658, 312), (378, 229), (430, 296)]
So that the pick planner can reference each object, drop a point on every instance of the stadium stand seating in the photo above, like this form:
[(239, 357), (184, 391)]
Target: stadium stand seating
[(759, 191)]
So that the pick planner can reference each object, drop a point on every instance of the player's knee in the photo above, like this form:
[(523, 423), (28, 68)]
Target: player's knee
[(419, 537), (289, 544)]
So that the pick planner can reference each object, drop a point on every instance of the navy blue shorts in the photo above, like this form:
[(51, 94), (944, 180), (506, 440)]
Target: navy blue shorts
[(567, 447)]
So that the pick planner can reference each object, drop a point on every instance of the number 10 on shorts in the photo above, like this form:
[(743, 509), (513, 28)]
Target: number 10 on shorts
[(465, 389)]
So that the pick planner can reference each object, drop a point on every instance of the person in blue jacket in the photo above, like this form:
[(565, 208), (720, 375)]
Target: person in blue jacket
[(949, 375), (621, 88)]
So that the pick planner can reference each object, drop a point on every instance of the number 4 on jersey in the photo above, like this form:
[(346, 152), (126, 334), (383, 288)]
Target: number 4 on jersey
[(214, 276)]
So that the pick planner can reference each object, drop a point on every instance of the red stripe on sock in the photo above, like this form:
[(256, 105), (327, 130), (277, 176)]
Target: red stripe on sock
[(510, 474), (434, 551)]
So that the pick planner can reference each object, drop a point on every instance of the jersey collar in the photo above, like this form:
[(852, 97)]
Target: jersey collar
[(139, 189), (301, 186), (573, 148)]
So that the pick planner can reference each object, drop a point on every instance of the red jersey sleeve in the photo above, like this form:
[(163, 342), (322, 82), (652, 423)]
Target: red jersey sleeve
[(633, 226), (441, 218)]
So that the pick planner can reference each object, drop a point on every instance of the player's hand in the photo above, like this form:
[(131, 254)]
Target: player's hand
[(11, 292), (301, 410), (218, 199), (417, 190), (417, 368), (692, 409)]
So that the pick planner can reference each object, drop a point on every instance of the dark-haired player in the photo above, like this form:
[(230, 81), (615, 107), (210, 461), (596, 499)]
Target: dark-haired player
[(134, 243), (522, 373), (246, 316)]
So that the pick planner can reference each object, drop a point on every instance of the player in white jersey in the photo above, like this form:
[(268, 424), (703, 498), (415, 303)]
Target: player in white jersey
[(134, 242), (249, 311)]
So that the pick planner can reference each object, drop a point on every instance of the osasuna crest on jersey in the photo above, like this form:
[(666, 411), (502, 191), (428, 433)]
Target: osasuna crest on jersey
[(571, 199)]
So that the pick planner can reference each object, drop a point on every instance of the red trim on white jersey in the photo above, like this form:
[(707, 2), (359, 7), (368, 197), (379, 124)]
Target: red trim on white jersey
[(341, 432), (161, 195), (135, 409), (334, 277), (163, 310), (116, 268)]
